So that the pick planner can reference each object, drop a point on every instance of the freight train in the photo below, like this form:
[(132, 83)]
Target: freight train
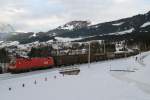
[(29, 64)]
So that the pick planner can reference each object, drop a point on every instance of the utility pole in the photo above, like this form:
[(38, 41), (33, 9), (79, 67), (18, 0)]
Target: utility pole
[(104, 47), (57, 51), (89, 52), (89, 55), (57, 47)]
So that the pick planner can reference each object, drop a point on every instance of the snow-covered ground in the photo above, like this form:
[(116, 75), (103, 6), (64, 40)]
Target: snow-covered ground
[(61, 39), (96, 82), (122, 32), (145, 24), (118, 24)]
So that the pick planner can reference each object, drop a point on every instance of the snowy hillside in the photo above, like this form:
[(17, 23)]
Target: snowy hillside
[(96, 82), (138, 26)]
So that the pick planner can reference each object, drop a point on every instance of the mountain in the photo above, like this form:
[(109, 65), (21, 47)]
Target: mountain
[(74, 25), (5, 30), (136, 27)]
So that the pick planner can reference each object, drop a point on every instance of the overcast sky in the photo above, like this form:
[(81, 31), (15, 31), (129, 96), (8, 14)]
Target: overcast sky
[(43, 15)]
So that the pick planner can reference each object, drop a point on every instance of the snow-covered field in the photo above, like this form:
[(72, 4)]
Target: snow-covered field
[(96, 82)]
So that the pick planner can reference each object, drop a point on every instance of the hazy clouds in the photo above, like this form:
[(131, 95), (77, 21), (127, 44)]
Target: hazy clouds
[(42, 15)]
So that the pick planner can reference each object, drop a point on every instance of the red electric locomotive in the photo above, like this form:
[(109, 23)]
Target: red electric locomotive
[(26, 64)]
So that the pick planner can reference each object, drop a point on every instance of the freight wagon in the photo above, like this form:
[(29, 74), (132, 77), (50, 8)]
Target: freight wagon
[(64, 60), (27, 64), (97, 57)]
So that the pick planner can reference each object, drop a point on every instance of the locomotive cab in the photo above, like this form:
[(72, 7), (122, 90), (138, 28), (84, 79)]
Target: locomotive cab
[(12, 65)]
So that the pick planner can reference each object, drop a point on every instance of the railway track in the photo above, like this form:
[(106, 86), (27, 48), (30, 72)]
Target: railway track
[(8, 76), (12, 76)]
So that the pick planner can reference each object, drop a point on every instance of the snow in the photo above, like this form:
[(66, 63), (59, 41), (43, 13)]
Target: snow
[(118, 24), (22, 47), (122, 32), (34, 35), (9, 43), (1, 41), (145, 24), (49, 41), (141, 77), (93, 83), (68, 27), (14, 43), (16, 33), (119, 46), (54, 34), (61, 39)]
